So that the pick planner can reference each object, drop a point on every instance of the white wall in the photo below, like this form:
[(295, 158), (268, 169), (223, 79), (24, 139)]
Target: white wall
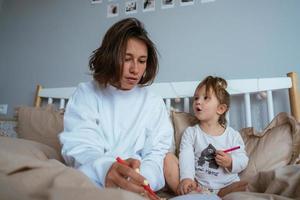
[(50, 41)]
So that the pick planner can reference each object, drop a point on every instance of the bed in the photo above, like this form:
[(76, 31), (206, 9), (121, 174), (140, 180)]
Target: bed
[(183, 91), (31, 166)]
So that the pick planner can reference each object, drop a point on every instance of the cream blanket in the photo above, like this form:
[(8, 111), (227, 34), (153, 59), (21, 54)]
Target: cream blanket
[(32, 170), (282, 183)]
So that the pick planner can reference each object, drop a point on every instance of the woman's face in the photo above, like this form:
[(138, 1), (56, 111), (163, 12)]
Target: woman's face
[(134, 63)]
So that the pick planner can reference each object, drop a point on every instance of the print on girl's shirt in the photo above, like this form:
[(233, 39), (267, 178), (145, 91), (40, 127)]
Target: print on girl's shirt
[(206, 162)]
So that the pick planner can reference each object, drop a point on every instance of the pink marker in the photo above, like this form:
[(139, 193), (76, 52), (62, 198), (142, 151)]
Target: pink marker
[(231, 149)]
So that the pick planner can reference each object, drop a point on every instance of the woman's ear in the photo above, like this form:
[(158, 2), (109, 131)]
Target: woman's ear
[(222, 108)]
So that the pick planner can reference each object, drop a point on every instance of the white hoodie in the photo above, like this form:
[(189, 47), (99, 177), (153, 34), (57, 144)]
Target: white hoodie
[(103, 123)]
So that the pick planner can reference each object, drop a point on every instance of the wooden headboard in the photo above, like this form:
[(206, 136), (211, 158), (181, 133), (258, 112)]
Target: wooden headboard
[(183, 91), (294, 94)]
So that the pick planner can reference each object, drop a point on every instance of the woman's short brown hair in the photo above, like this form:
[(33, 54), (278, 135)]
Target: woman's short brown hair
[(106, 62)]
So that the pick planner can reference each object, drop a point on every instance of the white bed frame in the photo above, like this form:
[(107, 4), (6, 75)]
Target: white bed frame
[(183, 91)]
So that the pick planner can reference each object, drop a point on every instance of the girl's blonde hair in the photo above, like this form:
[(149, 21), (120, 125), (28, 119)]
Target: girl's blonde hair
[(218, 86)]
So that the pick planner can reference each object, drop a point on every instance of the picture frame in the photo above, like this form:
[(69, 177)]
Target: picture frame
[(96, 1), (112, 10), (207, 1), (131, 7), (186, 2), (165, 4), (148, 5)]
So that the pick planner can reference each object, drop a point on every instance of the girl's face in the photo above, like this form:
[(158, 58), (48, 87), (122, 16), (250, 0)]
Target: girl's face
[(134, 63), (206, 105)]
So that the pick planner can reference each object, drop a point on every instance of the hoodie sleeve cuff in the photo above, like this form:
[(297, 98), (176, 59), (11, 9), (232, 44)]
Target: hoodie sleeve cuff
[(97, 170)]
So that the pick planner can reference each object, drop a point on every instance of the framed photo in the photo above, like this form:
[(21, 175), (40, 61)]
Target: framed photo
[(96, 1), (207, 1), (148, 5), (167, 4), (131, 7), (186, 2), (113, 10)]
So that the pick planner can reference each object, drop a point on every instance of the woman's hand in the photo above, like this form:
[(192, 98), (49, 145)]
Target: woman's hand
[(126, 177), (223, 159), (186, 186)]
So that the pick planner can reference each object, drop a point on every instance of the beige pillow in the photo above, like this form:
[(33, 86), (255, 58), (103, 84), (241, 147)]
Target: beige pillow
[(277, 145), (40, 124), (181, 121), (14, 151)]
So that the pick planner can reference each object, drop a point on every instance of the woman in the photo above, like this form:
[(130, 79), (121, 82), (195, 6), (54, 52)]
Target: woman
[(115, 115)]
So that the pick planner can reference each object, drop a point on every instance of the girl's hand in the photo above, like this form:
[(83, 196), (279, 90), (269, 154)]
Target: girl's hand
[(125, 177), (186, 186), (223, 159)]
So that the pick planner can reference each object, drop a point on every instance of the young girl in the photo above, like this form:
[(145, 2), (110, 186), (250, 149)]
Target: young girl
[(204, 166)]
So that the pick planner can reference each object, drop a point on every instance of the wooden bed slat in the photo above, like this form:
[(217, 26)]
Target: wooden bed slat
[(186, 104), (50, 100), (168, 104), (248, 109), (228, 117), (62, 104), (37, 99), (270, 105), (294, 96)]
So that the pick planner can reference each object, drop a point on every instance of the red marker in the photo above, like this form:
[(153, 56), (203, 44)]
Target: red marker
[(145, 184), (231, 149), (119, 160)]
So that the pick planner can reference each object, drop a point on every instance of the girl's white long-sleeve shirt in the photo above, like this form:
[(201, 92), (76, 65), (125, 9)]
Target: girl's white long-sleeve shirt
[(196, 157), (103, 123)]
